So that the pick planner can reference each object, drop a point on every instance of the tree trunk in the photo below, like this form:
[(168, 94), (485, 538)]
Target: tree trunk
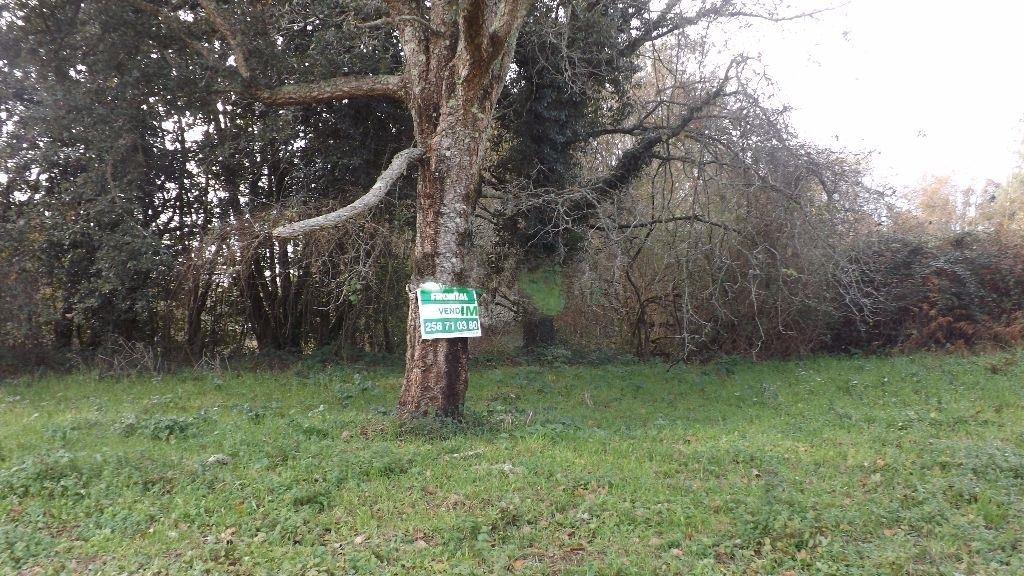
[(457, 55), (538, 330), (64, 327), (453, 88), (198, 299), (436, 371)]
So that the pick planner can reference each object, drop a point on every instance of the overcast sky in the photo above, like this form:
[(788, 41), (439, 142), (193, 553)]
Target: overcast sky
[(934, 87)]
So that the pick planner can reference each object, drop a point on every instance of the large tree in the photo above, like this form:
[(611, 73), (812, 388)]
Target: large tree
[(229, 69), (455, 57), (449, 69)]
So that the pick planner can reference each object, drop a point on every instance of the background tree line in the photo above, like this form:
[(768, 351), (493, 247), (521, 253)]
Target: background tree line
[(652, 183)]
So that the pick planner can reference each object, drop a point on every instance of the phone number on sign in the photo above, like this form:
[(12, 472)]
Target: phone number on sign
[(432, 326)]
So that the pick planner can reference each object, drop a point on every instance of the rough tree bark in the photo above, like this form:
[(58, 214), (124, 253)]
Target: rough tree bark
[(454, 79)]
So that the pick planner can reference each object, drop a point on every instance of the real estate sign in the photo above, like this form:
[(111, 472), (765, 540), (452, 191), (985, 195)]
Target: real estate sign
[(448, 312)]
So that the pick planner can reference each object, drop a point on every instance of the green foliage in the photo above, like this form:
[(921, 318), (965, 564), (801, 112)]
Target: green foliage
[(544, 289), (54, 472), (570, 75), (21, 547), (823, 466), (123, 160), (155, 427)]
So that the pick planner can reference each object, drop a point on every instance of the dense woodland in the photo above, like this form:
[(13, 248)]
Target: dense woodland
[(642, 192)]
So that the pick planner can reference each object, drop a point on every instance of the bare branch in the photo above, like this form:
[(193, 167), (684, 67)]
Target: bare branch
[(659, 27), (334, 89), (668, 22), (636, 158), (387, 178), (779, 18), (670, 219)]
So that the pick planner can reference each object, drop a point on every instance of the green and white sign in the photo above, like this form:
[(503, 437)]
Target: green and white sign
[(448, 312)]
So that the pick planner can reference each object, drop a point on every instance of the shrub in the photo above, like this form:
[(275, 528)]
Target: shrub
[(939, 292)]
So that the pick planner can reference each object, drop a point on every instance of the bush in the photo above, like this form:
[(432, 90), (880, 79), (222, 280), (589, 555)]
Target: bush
[(939, 292)]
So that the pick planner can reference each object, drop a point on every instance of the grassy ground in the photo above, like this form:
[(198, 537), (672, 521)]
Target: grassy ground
[(827, 466)]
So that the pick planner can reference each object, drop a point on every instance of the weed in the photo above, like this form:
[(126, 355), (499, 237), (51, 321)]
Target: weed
[(155, 427)]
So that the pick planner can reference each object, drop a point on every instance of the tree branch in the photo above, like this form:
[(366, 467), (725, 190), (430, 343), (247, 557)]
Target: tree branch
[(778, 18), (637, 157), (230, 34), (508, 20), (656, 28), (668, 22), (669, 219), (387, 178), (392, 20), (239, 79), (334, 89)]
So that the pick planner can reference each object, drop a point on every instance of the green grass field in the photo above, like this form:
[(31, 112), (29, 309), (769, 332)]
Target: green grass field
[(827, 466)]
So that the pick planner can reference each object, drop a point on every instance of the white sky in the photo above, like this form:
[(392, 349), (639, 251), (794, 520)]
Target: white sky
[(933, 87)]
